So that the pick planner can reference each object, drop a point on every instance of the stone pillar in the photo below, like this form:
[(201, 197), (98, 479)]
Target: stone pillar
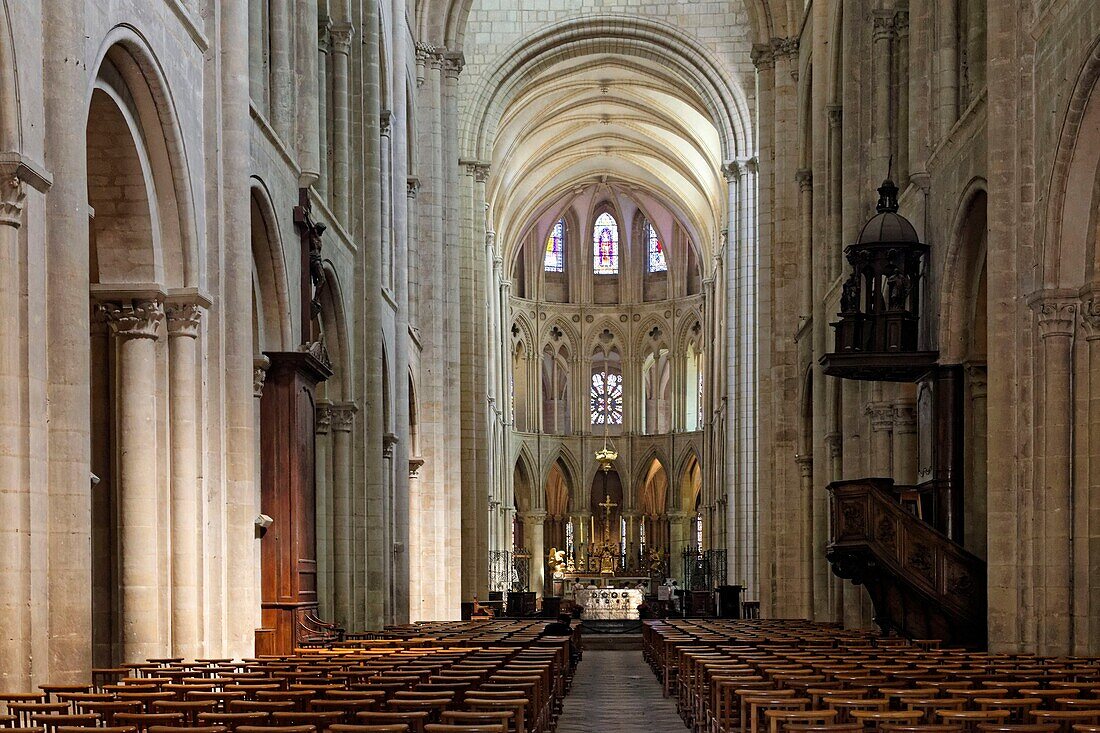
[(881, 102), (280, 43), (901, 85), (341, 35), (836, 190), (136, 325), (65, 79), (1056, 317), (678, 540), (533, 523), (322, 426), (324, 50), (905, 440), (343, 420), (184, 312), (945, 79), (1086, 499), (15, 495), (258, 86), (882, 425), (976, 504), (307, 100), (805, 178), (385, 148), (805, 463)]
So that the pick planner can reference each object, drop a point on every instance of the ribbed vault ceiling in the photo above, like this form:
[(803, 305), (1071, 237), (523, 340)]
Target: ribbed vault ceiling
[(612, 119)]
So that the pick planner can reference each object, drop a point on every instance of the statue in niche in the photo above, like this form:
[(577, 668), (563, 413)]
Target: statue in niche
[(897, 290), (849, 295)]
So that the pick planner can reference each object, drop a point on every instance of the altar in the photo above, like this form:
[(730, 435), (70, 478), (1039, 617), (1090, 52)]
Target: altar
[(609, 604)]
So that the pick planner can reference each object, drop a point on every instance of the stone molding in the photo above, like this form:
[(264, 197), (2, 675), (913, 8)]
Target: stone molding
[(905, 416), (453, 63), (139, 318), (1090, 311), (533, 517), (764, 55), (884, 25)]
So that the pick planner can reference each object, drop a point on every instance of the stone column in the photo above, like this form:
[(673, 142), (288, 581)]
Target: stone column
[(258, 86), (386, 151), (882, 83), (903, 71), (307, 93), (805, 463), (905, 440), (945, 78), (260, 365), (324, 50), (184, 312), (533, 542), (341, 35), (322, 456), (65, 78), (1056, 317), (343, 420), (15, 495), (836, 190), (1086, 500), (882, 425), (678, 541), (281, 45), (976, 504), (805, 178), (136, 325)]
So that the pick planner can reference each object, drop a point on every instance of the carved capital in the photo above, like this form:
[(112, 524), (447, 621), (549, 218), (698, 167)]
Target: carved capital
[(413, 186), (882, 415), (533, 518), (1090, 312), (762, 56), (884, 27), (324, 34), (784, 47), (322, 418), (415, 464), (977, 380), (1055, 313), (453, 63), (834, 442), (389, 443), (905, 416), (341, 35), (805, 464), (732, 170), (343, 417), (836, 115), (184, 311), (901, 22), (16, 174), (134, 319), (260, 365), (385, 123), (805, 179)]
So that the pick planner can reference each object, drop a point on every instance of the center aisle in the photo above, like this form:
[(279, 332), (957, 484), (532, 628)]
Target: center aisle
[(615, 691)]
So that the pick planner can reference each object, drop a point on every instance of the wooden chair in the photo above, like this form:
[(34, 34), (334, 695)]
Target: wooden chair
[(277, 729), (321, 720), (143, 721), (459, 728), (1066, 719), (876, 719), (232, 721), (51, 721), (779, 720), (25, 711), (498, 718), (414, 719), (969, 719), (188, 729), (395, 728)]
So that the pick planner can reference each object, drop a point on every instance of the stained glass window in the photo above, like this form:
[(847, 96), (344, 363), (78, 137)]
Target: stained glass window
[(607, 399), (555, 249), (656, 260), (605, 245)]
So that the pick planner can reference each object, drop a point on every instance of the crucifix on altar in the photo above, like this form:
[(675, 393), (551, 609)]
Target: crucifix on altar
[(606, 457)]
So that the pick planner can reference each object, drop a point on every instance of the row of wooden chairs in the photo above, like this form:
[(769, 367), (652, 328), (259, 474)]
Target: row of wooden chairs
[(749, 676), (483, 677)]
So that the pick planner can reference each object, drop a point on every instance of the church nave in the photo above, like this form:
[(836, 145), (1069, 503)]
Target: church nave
[(615, 692)]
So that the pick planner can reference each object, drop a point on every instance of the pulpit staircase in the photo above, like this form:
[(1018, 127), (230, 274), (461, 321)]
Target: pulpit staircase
[(903, 544), (923, 584)]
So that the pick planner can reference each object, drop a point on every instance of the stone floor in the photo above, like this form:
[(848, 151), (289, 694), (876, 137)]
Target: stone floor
[(616, 692)]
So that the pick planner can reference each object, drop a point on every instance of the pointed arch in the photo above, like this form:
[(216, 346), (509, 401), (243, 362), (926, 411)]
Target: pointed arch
[(271, 300), (523, 480), (690, 484)]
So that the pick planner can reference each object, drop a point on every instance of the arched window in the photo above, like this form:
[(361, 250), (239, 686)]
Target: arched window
[(655, 259), (693, 388), (607, 390), (554, 261), (605, 245)]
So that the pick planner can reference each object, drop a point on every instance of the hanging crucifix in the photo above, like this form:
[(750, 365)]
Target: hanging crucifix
[(313, 273)]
